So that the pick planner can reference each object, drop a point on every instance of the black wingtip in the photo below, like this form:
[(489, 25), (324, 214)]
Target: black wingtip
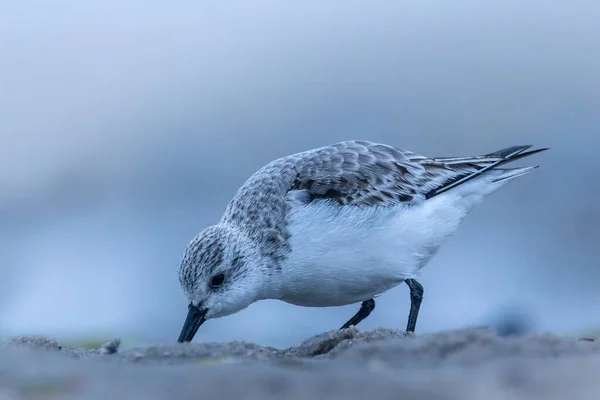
[(506, 156), (528, 153), (510, 152), (516, 152)]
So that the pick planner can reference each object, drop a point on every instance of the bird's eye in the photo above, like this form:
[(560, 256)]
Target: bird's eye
[(217, 280)]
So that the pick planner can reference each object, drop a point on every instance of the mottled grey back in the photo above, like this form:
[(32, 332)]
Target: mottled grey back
[(351, 173)]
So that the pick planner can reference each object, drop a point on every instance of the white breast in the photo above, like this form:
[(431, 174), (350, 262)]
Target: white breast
[(343, 255)]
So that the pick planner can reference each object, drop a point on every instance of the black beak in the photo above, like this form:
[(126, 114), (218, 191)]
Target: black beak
[(196, 317)]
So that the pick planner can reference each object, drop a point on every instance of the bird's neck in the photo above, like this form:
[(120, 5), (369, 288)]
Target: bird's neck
[(270, 286)]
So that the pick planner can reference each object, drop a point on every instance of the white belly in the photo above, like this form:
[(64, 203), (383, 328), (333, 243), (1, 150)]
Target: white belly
[(344, 255)]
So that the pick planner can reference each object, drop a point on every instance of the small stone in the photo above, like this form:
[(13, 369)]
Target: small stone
[(110, 347)]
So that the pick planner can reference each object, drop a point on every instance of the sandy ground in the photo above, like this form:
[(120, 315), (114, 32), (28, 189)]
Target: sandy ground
[(380, 364)]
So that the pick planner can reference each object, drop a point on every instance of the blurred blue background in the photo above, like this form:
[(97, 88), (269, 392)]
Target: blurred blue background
[(126, 127)]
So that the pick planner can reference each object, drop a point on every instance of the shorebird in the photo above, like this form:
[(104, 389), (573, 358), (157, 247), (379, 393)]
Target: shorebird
[(336, 225)]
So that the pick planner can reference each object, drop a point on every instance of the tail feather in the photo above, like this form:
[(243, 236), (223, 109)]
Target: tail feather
[(472, 167), (510, 173)]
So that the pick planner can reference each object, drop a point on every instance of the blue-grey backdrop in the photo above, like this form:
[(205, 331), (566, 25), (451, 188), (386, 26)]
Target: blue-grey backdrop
[(126, 127)]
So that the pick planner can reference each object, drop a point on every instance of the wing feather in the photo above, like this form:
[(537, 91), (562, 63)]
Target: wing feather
[(353, 173)]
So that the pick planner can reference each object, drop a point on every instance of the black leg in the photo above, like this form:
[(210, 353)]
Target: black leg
[(365, 309), (416, 296)]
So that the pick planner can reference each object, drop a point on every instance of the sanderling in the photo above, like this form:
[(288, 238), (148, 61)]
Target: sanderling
[(335, 225)]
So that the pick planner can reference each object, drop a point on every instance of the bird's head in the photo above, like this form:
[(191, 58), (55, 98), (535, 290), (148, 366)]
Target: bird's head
[(221, 273)]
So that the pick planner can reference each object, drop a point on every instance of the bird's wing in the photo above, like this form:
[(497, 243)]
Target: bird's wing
[(353, 173), (359, 173), (362, 173)]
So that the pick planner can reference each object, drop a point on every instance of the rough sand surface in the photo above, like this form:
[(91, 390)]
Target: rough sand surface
[(380, 364)]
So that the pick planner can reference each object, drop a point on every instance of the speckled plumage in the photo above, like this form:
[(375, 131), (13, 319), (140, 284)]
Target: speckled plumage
[(352, 175)]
